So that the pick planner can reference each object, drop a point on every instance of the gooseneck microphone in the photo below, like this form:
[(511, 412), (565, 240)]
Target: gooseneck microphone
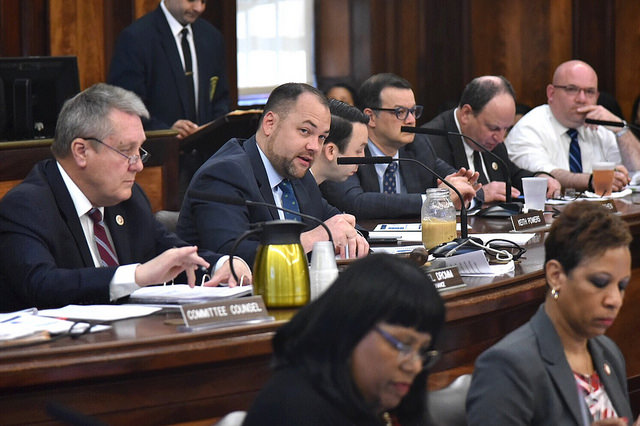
[(611, 123), (386, 160), (235, 201), (439, 132)]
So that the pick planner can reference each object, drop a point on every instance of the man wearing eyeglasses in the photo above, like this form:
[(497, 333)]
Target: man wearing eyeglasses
[(555, 139), (485, 113), (78, 230), (394, 190)]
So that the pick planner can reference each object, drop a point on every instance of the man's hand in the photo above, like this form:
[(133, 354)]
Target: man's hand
[(184, 128), (223, 274), (620, 178), (553, 187), (342, 227), (466, 182), (598, 112), (497, 191), (168, 265)]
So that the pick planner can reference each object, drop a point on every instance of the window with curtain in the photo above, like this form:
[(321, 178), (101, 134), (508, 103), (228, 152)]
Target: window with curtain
[(275, 46)]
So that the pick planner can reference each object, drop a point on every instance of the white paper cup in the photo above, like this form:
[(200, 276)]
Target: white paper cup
[(535, 192)]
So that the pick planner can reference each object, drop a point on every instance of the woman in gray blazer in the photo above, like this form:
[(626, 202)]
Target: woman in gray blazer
[(559, 368)]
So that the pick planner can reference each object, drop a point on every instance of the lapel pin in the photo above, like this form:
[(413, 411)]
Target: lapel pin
[(119, 220), (494, 165), (607, 369)]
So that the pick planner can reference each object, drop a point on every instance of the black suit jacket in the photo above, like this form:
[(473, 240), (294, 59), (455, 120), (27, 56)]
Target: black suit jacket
[(360, 194), (451, 149), (237, 171), (525, 379), (146, 61), (44, 257)]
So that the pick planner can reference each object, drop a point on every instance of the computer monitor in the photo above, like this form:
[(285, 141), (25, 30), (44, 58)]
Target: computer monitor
[(34, 89)]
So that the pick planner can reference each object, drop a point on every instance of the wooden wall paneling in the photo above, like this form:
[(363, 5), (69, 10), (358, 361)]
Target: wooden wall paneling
[(332, 42), (627, 54), (361, 50), (142, 7), (222, 14), (118, 14), (77, 28), (447, 54), (23, 28), (593, 38)]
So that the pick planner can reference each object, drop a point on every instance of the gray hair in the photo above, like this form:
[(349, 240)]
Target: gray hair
[(85, 115)]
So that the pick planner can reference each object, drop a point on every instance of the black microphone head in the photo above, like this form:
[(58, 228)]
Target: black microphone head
[(365, 160)]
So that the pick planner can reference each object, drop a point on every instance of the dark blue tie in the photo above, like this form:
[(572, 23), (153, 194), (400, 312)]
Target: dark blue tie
[(289, 200), (389, 179), (575, 157)]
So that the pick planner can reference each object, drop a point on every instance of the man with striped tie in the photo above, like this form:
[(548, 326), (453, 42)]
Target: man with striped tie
[(78, 229), (554, 138)]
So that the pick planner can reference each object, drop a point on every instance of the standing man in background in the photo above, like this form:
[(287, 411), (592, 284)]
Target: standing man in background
[(175, 63)]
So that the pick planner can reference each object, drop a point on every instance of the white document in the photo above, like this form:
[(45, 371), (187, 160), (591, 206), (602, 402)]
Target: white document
[(474, 264), (182, 293), (100, 313), (396, 249), (22, 325)]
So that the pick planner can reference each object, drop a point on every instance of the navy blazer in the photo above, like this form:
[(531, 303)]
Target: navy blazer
[(146, 61), (451, 149), (44, 256), (237, 171), (360, 194), (525, 379)]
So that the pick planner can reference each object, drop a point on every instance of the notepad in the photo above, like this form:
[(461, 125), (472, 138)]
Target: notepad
[(181, 294)]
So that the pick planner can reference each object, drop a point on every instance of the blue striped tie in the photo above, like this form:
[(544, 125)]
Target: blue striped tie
[(389, 179), (289, 200), (575, 157)]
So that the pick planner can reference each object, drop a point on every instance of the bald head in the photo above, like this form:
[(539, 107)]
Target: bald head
[(575, 85), (569, 68)]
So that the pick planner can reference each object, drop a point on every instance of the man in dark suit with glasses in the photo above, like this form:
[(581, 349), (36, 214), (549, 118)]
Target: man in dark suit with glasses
[(395, 189)]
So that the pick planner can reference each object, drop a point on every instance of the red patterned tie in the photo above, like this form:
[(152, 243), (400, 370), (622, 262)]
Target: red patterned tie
[(107, 254)]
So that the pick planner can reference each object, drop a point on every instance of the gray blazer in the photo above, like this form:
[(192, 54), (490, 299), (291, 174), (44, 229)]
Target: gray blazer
[(525, 379)]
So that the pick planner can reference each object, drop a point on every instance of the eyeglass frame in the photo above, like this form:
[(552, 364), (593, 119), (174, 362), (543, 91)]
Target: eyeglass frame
[(590, 92), (428, 357), (415, 110), (142, 155)]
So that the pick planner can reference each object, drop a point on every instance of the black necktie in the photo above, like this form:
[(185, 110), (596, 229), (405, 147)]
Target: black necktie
[(477, 164), (188, 74)]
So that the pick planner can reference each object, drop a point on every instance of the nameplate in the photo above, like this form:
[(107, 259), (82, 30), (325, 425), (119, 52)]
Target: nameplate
[(534, 219), (224, 311), (445, 278), (609, 204)]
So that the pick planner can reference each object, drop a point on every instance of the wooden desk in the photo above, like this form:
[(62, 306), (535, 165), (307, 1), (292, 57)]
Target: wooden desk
[(145, 371), (159, 179)]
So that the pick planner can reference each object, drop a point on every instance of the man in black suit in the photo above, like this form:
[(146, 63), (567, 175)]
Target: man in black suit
[(78, 229), (395, 190), (149, 60), (485, 113), (273, 167)]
